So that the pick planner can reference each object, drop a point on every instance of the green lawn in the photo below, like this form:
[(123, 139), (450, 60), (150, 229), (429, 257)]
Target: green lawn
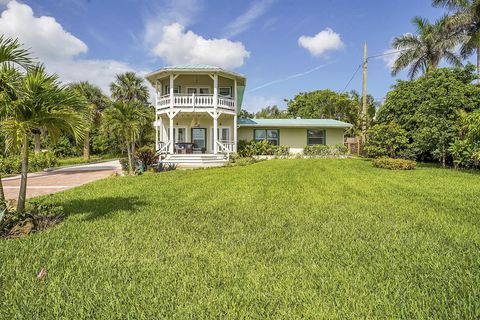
[(278, 239)]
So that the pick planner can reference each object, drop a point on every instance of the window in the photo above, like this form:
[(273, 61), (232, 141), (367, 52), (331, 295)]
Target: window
[(191, 90), (225, 91), (315, 137), (179, 134), (176, 89), (271, 135)]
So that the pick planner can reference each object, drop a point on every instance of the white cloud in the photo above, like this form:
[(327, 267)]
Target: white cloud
[(326, 40), (244, 21), (168, 12), (389, 56), (253, 103), (179, 46), (51, 44)]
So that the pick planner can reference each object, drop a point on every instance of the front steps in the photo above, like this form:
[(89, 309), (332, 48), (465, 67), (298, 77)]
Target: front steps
[(196, 160)]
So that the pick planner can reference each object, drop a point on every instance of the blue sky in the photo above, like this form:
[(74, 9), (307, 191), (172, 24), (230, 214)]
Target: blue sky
[(93, 39)]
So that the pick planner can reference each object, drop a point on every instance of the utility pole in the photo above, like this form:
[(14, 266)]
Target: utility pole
[(364, 95)]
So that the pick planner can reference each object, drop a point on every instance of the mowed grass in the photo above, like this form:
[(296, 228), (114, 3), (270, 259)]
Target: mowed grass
[(278, 239)]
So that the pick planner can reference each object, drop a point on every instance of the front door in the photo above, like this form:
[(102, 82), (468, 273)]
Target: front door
[(199, 137)]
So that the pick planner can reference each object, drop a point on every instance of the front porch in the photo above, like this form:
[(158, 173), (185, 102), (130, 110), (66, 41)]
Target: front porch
[(196, 133)]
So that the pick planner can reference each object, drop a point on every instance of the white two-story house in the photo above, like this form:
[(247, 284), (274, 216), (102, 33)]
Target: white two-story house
[(197, 108)]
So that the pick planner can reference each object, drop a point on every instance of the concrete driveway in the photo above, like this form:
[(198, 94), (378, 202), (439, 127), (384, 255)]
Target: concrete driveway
[(41, 183)]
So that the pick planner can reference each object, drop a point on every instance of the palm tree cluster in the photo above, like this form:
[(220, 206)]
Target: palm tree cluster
[(34, 103), (433, 43)]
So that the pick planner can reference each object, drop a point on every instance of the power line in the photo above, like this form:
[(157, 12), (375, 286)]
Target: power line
[(353, 76), (387, 53)]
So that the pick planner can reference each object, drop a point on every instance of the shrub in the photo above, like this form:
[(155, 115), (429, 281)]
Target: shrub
[(36, 162), (164, 166), (64, 148), (325, 151), (146, 155), (394, 164), (236, 160), (42, 160), (261, 148), (388, 140), (38, 215)]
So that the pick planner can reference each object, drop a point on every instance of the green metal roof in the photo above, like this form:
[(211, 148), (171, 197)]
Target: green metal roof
[(193, 66), (327, 123)]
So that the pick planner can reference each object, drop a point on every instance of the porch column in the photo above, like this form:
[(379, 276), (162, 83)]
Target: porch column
[(215, 118), (171, 134), (215, 132), (235, 133), (171, 90), (215, 91), (156, 132)]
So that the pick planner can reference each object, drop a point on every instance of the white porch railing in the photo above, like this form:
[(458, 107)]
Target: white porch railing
[(162, 148), (226, 147), (183, 100)]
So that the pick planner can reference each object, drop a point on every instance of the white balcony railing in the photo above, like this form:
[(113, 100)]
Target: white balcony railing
[(183, 100)]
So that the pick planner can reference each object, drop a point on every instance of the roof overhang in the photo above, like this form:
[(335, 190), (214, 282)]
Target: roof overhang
[(165, 72)]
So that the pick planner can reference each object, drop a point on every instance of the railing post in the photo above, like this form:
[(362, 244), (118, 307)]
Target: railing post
[(235, 120), (193, 101)]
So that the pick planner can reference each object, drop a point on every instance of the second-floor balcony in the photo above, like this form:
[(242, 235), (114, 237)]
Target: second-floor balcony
[(195, 101)]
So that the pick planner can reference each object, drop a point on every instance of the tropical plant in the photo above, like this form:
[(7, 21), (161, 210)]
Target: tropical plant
[(325, 151), (423, 51), (271, 112), (129, 87), (12, 53), (430, 109), (465, 21), (125, 119), (388, 140), (97, 103), (38, 101), (328, 104)]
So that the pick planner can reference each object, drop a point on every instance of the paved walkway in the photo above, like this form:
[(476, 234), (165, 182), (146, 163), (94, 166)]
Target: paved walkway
[(41, 183)]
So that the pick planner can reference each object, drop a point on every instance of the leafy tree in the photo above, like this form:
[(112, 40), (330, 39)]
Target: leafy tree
[(129, 87), (429, 109), (125, 119), (38, 101), (422, 52), (388, 140), (328, 104), (245, 114), (466, 22), (12, 53), (466, 149), (271, 112), (96, 104)]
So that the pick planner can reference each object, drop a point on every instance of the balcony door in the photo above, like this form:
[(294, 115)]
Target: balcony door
[(199, 138)]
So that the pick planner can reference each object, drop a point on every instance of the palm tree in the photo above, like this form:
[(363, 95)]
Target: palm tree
[(422, 52), (12, 53), (465, 21), (40, 102), (125, 119), (129, 87), (97, 103)]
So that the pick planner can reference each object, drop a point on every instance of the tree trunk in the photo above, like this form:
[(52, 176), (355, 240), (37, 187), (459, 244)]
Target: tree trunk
[(129, 152), (2, 195), (22, 195), (86, 146), (38, 147)]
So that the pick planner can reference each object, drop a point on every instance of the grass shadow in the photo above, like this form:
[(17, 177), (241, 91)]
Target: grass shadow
[(101, 208)]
